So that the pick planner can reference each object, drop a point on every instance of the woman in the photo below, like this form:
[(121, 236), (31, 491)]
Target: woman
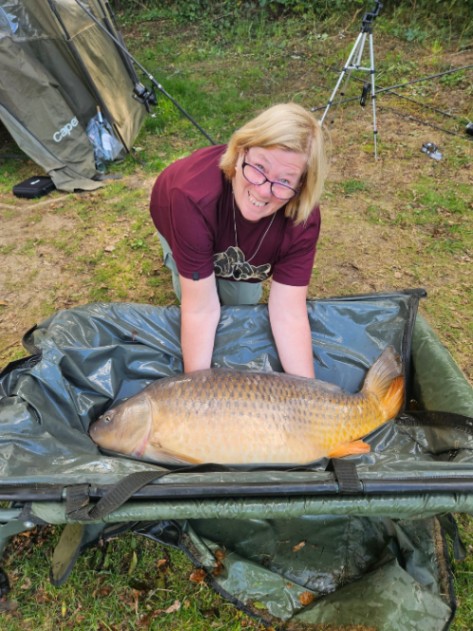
[(231, 216)]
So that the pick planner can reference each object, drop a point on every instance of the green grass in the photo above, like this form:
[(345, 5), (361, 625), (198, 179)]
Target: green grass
[(137, 584), (463, 576), (353, 186), (441, 208), (442, 212)]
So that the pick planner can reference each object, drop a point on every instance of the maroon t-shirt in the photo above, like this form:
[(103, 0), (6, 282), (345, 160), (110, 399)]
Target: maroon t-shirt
[(192, 208)]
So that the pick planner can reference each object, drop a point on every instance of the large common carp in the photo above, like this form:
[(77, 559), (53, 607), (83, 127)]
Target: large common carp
[(237, 417)]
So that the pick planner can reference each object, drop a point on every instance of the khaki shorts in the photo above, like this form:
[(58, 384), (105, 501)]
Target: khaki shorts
[(230, 292)]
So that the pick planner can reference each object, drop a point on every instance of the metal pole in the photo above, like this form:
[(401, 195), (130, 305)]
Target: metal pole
[(346, 68), (373, 97)]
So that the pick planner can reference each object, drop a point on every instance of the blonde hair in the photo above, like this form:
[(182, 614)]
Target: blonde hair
[(285, 126)]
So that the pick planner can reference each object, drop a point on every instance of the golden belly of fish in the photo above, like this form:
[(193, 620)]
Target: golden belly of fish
[(236, 417)]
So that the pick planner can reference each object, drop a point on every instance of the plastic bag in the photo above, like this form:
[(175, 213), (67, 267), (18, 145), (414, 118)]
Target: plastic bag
[(8, 22), (106, 147)]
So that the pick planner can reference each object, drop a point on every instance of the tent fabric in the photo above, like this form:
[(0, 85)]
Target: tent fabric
[(299, 546), (56, 66)]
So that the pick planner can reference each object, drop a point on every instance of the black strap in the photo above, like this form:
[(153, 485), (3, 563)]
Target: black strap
[(450, 526), (346, 475), (77, 501), (122, 491), (437, 418), (78, 496)]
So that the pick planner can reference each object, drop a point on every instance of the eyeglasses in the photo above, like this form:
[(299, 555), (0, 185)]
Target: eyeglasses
[(255, 176)]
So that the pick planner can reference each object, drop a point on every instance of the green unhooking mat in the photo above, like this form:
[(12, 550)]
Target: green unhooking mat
[(359, 540)]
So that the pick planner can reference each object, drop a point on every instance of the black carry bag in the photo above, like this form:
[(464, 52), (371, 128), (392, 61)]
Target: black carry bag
[(34, 187)]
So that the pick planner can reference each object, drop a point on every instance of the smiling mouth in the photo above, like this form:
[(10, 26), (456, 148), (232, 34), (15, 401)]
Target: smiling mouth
[(255, 202)]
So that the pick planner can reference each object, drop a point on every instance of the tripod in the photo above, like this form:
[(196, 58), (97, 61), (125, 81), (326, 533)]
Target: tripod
[(354, 63)]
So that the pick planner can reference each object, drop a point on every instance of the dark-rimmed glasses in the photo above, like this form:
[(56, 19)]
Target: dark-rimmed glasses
[(254, 175)]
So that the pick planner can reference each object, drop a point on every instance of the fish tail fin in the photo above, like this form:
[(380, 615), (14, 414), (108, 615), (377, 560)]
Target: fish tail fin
[(394, 398), (386, 382)]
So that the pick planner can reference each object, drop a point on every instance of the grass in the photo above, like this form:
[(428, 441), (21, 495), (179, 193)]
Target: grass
[(403, 221), (137, 584)]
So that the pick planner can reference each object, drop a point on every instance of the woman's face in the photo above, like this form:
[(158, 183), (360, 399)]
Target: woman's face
[(279, 166)]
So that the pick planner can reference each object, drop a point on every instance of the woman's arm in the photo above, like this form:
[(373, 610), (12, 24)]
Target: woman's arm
[(200, 314), (291, 329)]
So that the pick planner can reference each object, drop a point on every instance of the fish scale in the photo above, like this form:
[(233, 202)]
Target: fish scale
[(243, 417)]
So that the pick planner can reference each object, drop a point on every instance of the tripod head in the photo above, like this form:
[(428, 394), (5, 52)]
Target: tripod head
[(369, 18)]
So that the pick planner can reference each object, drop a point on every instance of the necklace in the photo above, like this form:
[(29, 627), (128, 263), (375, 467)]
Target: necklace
[(260, 241)]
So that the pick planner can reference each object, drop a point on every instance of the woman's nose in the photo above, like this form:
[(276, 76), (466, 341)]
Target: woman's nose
[(265, 189)]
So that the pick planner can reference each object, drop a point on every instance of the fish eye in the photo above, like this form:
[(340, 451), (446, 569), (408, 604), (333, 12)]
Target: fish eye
[(107, 418)]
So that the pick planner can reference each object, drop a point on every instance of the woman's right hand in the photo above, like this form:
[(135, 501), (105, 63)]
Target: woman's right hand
[(200, 314)]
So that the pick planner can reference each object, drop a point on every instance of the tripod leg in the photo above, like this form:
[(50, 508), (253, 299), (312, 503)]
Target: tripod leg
[(360, 52), (348, 67), (373, 97)]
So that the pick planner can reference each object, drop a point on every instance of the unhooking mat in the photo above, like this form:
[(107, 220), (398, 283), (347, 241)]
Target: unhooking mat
[(301, 547)]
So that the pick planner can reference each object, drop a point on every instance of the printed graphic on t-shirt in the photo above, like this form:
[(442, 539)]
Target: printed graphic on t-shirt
[(232, 264)]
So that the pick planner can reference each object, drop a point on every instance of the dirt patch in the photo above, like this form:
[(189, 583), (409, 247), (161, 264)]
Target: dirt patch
[(32, 270), (366, 245)]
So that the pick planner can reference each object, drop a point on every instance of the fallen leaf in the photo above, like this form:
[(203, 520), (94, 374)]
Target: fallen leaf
[(26, 584), (298, 546), (306, 598), (162, 563), (198, 576), (219, 566), (218, 569), (176, 605), (102, 592), (220, 555)]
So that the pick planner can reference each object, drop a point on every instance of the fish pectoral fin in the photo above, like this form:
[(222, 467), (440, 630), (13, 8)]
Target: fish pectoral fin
[(167, 456), (349, 449)]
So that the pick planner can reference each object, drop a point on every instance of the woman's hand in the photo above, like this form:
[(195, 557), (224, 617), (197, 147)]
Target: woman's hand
[(200, 314), (291, 328)]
